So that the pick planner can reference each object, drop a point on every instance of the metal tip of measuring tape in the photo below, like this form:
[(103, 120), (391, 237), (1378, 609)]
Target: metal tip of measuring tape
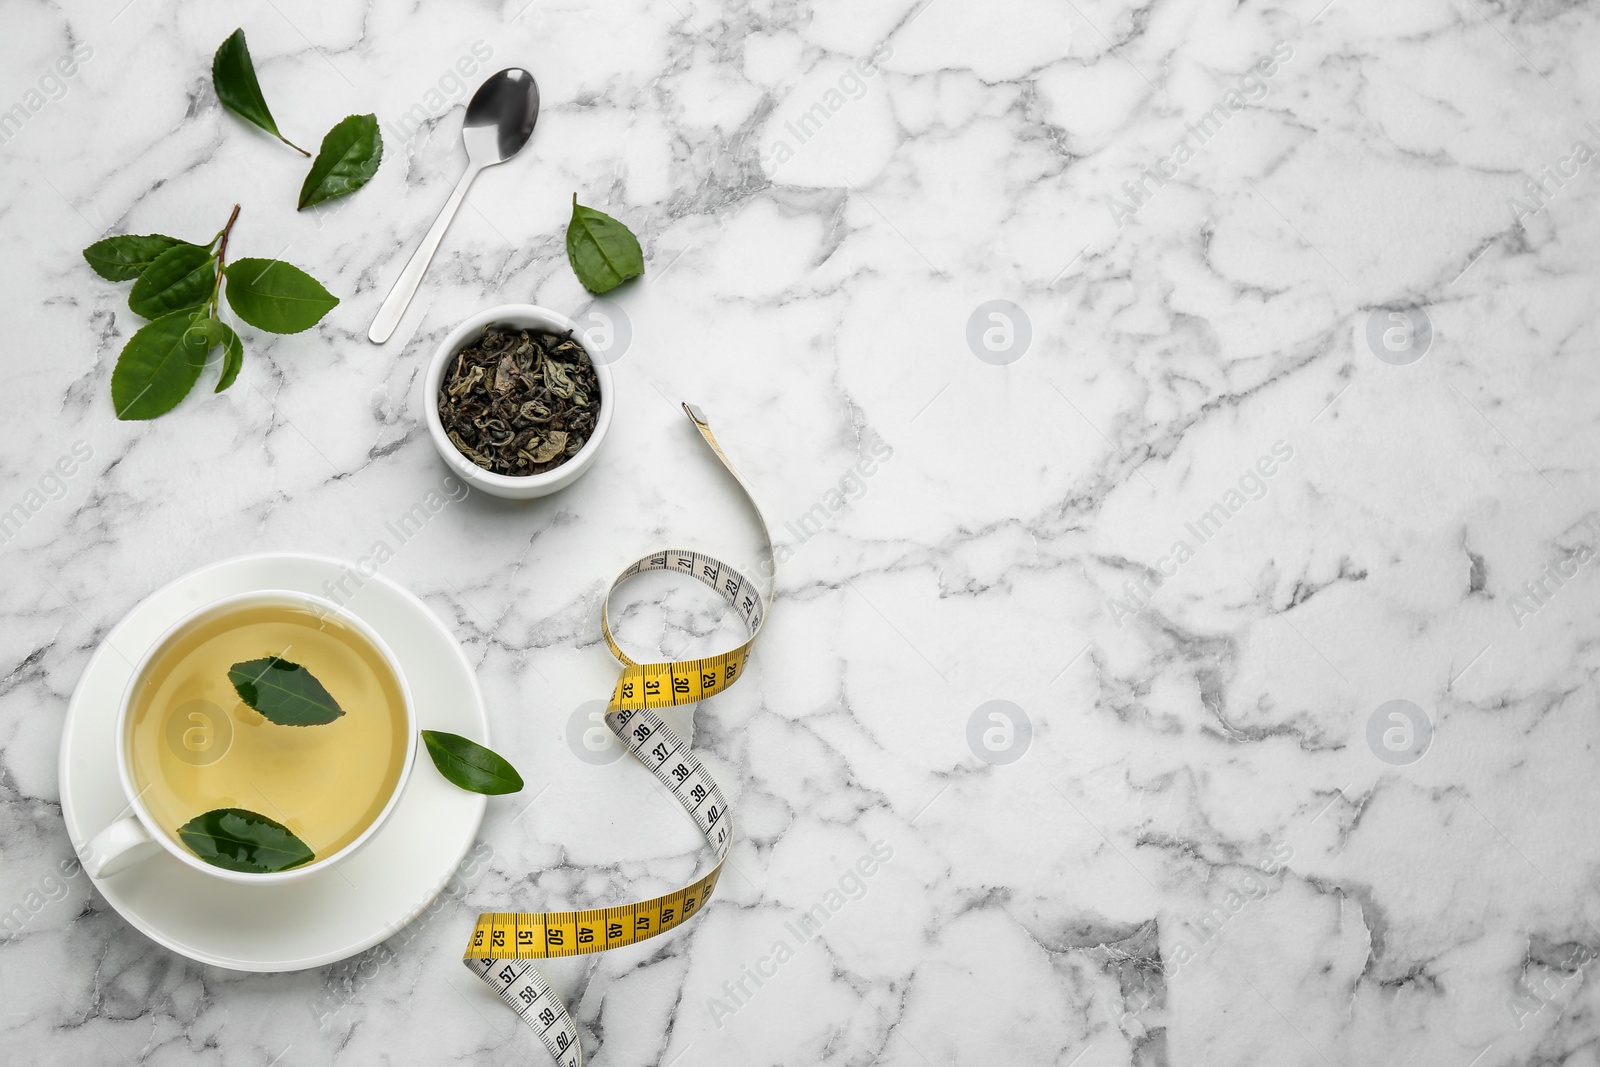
[(694, 412)]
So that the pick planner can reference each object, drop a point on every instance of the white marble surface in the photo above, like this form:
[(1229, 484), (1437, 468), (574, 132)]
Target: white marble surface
[(1199, 750)]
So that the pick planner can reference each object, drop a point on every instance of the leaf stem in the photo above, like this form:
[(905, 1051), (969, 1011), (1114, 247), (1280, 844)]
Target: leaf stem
[(294, 146), (222, 254), (222, 235)]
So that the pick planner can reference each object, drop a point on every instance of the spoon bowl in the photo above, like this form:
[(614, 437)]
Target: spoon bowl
[(500, 117), (499, 121)]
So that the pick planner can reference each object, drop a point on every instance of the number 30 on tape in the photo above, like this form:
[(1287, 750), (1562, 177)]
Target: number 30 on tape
[(504, 944)]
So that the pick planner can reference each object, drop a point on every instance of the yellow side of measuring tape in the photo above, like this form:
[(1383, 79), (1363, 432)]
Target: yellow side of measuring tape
[(503, 943)]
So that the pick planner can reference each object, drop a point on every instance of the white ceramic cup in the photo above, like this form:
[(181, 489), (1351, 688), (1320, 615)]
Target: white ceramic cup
[(135, 836), (515, 487)]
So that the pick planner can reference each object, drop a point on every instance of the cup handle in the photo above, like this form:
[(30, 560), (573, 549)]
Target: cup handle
[(119, 846)]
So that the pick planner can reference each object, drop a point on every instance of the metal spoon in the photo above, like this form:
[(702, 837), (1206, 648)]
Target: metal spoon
[(499, 121)]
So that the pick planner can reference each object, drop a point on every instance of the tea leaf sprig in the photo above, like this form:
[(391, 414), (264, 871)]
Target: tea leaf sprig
[(179, 285)]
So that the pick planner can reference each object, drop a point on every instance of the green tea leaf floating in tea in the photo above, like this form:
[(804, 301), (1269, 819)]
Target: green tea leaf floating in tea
[(233, 75), (348, 159), (519, 401), (603, 252), (469, 765), (239, 840), (283, 692)]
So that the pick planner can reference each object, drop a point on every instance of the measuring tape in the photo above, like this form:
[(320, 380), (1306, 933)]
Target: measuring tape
[(504, 943)]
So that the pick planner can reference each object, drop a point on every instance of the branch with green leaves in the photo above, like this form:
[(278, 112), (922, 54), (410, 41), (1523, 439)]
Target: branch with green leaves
[(179, 285)]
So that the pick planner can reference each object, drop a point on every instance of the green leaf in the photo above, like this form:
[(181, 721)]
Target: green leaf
[(232, 356), (211, 329), (469, 765), (604, 253), (239, 840), (117, 259), (233, 75), (182, 276), (159, 365), (283, 692), (348, 159), (276, 296)]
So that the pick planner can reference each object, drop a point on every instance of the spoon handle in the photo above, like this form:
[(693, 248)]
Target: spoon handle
[(405, 286)]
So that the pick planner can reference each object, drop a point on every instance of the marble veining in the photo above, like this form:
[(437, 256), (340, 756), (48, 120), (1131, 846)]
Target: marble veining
[(1147, 397)]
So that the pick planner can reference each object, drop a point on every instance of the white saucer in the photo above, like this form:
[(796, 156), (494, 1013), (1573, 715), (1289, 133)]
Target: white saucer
[(348, 908)]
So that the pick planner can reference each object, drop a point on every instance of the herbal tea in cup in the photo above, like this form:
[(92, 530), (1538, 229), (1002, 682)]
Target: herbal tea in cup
[(263, 737)]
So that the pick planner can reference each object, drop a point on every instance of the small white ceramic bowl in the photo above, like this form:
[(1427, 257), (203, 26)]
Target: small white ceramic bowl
[(514, 487)]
